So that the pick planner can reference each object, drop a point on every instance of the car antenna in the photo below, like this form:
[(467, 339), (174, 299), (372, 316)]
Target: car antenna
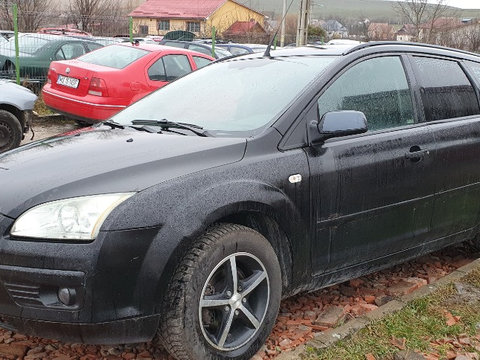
[(267, 50)]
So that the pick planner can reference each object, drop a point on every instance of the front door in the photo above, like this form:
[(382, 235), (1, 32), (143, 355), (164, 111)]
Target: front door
[(372, 193)]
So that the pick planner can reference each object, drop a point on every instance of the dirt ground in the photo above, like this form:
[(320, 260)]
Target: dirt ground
[(48, 127)]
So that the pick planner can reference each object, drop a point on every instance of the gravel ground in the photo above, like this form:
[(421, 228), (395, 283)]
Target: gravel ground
[(300, 316)]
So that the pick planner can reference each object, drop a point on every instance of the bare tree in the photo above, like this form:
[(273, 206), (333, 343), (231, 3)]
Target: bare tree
[(31, 13), (422, 15), (85, 13), (6, 18)]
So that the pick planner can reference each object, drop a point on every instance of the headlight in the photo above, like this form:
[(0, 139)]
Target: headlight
[(76, 218)]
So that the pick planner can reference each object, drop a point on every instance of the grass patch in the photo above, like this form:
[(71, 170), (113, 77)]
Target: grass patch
[(40, 108), (420, 326)]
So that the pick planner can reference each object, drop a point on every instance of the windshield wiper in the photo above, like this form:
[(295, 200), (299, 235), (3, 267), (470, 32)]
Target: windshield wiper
[(113, 124), (165, 125)]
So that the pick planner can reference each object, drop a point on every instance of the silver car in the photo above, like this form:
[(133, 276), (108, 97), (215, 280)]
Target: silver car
[(16, 104)]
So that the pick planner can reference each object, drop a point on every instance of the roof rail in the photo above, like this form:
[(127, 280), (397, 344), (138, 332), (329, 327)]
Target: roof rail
[(380, 43)]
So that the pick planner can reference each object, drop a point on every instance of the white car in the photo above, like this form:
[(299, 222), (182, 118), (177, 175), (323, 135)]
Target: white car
[(16, 104)]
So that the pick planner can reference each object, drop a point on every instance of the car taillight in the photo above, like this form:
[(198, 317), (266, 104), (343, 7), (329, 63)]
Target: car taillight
[(98, 87), (50, 75)]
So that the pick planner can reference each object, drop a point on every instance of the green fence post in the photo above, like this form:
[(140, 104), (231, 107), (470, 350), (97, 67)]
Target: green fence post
[(275, 43), (130, 28), (17, 50), (214, 34)]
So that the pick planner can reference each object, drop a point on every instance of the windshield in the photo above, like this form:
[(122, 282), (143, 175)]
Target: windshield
[(114, 56), (235, 95), (27, 44)]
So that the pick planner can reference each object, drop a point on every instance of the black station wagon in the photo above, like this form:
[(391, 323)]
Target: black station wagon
[(194, 211)]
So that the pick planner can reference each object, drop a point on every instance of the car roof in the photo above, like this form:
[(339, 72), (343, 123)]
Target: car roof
[(342, 50), (53, 38), (155, 47)]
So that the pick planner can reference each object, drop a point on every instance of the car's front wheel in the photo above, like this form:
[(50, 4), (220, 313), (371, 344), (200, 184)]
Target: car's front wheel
[(10, 131), (224, 297)]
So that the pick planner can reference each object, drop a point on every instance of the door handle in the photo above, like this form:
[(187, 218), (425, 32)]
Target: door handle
[(416, 153)]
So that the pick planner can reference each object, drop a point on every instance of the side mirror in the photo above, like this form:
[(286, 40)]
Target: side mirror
[(337, 124)]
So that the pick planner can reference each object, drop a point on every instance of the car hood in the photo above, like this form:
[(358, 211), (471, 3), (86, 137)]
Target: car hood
[(104, 160)]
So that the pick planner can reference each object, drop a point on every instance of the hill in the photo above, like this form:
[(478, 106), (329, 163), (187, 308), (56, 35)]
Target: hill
[(375, 10)]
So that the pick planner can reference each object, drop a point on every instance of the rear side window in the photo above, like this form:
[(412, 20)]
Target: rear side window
[(176, 66), (201, 62), (169, 68), (475, 69), (445, 89), (377, 87), (70, 51), (114, 56)]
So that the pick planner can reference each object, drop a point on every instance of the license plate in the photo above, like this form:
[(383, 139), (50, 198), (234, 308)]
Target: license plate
[(67, 81)]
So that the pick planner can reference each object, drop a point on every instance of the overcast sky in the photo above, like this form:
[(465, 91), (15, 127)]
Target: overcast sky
[(465, 4)]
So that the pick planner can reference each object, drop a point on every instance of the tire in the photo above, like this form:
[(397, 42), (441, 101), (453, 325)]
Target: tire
[(204, 317), (10, 131), (82, 123)]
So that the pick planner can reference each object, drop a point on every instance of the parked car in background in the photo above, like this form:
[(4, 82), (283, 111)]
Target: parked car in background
[(37, 51), (235, 49), (16, 104), (6, 34), (196, 46), (64, 31), (99, 84), (143, 40)]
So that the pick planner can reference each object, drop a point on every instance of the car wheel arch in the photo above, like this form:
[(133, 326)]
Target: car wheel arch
[(257, 216), (15, 111)]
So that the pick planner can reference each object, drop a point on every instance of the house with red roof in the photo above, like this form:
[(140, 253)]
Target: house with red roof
[(157, 17)]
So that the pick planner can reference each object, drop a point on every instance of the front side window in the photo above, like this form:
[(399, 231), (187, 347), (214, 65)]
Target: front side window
[(445, 89), (164, 25), (193, 26), (377, 87)]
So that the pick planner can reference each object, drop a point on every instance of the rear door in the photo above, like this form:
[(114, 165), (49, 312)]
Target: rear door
[(167, 68), (452, 110), (372, 193)]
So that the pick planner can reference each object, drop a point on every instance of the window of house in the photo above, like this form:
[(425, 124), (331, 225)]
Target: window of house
[(193, 26), (445, 89), (164, 25), (143, 29), (378, 88)]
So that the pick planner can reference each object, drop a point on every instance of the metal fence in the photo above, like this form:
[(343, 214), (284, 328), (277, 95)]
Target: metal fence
[(32, 35)]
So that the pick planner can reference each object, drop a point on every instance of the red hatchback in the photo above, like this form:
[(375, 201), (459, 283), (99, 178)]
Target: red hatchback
[(97, 85)]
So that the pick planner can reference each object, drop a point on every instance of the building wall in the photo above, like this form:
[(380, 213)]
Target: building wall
[(175, 24), (228, 14), (222, 19)]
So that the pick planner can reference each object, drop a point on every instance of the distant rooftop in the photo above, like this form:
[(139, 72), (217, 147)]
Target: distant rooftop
[(185, 9)]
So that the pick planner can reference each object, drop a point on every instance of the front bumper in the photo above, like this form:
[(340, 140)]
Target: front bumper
[(134, 330), (112, 302)]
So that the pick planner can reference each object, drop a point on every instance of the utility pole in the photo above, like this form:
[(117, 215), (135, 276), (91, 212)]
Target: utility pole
[(303, 21), (284, 15)]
